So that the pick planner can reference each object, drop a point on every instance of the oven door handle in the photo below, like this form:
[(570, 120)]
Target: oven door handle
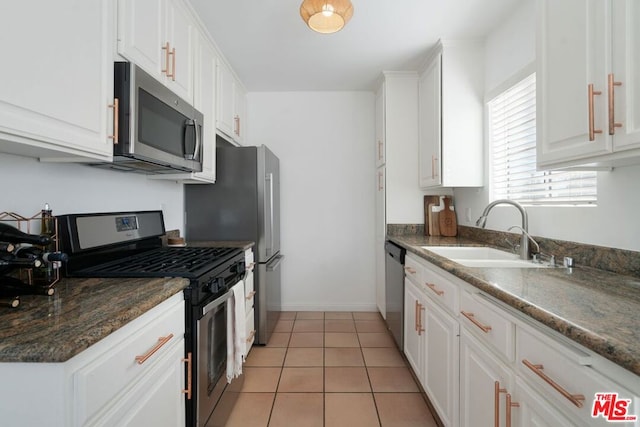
[(215, 303)]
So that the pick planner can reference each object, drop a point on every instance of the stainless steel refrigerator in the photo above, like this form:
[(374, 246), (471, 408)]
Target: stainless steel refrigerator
[(244, 204)]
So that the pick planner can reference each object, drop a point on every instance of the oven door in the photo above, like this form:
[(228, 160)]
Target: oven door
[(211, 362)]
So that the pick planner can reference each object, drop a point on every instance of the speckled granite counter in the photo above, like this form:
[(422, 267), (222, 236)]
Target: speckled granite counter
[(595, 308), (80, 313)]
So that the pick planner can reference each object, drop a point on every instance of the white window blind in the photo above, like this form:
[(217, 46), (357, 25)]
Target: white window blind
[(512, 131)]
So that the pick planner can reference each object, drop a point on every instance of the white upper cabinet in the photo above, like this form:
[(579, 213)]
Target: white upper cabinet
[(158, 37), (450, 102), (588, 99), (56, 85), (231, 106)]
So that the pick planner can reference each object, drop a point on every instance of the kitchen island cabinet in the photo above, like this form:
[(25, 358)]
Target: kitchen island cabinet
[(510, 352), (57, 80)]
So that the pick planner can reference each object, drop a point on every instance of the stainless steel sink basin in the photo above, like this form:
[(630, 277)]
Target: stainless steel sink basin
[(482, 256)]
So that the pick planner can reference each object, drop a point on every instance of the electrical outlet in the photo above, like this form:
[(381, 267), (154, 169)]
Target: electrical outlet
[(467, 214)]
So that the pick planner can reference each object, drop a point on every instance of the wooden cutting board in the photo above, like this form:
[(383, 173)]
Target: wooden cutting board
[(428, 218), (447, 219)]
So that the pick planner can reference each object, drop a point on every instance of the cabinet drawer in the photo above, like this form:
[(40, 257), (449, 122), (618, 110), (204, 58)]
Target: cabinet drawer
[(441, 290), (413, 270), (109, 375), (487, 322), (250, 331), (562, 374)]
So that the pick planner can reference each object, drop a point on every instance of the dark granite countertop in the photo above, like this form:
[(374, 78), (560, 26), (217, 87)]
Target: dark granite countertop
[(595, 308), (81, 312)]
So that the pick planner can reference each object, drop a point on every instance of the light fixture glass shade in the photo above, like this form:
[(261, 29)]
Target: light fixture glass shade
[(326, 16)]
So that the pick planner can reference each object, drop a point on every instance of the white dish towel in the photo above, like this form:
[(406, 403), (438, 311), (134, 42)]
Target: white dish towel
[(236, 331)]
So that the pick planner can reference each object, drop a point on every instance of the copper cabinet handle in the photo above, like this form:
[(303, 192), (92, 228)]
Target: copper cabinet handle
[(592, 123), (433, 166), (432, 286), (116, 123), (379, 150), (167, 53), (410, 270), (251, 335), (496, 402), (420, 326), (471, 317), (173, 64), (415, 317), (510, 405), (161, 341), (187, 390), (251, 295), (576, 399), (612, 115)]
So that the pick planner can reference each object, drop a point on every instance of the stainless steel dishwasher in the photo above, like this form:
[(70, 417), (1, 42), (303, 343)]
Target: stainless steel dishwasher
[(394, 290)]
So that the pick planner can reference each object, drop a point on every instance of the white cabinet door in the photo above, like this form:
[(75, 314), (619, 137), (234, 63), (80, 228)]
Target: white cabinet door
[(414, 337), (142, 35), (380, 137), (430, 131), (225, 118), (57, 78), (533, 410), (180, 34), (626, 70), (159, 401), (158, 37), (205, 102), (572, 52), (441, 362), (484, 382), (380, 235)]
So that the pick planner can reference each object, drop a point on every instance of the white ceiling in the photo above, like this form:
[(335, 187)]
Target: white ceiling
[(271, 48)]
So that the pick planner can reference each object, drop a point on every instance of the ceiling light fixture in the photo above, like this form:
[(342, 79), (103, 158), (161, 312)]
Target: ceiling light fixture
[(326, 16)]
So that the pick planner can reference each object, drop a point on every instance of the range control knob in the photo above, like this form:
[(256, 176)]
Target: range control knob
[(216, 285)]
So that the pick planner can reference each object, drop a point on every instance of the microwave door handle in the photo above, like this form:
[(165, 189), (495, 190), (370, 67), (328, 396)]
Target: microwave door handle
[(194, 123), (198, 140)]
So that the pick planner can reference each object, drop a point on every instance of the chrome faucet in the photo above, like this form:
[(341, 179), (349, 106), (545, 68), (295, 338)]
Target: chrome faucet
[(524, 239)]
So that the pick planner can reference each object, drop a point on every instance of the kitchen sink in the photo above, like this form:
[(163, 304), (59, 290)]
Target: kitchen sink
[(482, 256)]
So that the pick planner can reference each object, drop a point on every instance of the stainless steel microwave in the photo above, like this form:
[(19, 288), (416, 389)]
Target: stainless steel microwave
[(157, 131)]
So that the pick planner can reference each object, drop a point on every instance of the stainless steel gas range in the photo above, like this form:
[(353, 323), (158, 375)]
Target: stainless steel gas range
[(128, 244)]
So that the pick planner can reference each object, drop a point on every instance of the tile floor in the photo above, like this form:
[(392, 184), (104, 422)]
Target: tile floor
[(326, 369)]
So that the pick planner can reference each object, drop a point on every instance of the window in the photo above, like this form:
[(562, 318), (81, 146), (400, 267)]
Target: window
[(512, 133)]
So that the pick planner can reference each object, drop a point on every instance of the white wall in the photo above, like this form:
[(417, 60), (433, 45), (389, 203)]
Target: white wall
[(613, 223), (72, 188), (325, 142)]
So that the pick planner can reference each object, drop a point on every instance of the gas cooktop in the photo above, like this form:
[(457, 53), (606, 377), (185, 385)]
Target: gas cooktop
[(163, 262)]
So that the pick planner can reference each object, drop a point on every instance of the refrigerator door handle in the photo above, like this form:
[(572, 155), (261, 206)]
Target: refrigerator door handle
[(272, 266), (269, 178)]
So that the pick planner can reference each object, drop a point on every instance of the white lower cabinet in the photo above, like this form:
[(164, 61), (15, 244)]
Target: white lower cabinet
[(413, 329), (508, 370), (250, 293), (533, 410), (484, 381), (133, 377), (441, 362)]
